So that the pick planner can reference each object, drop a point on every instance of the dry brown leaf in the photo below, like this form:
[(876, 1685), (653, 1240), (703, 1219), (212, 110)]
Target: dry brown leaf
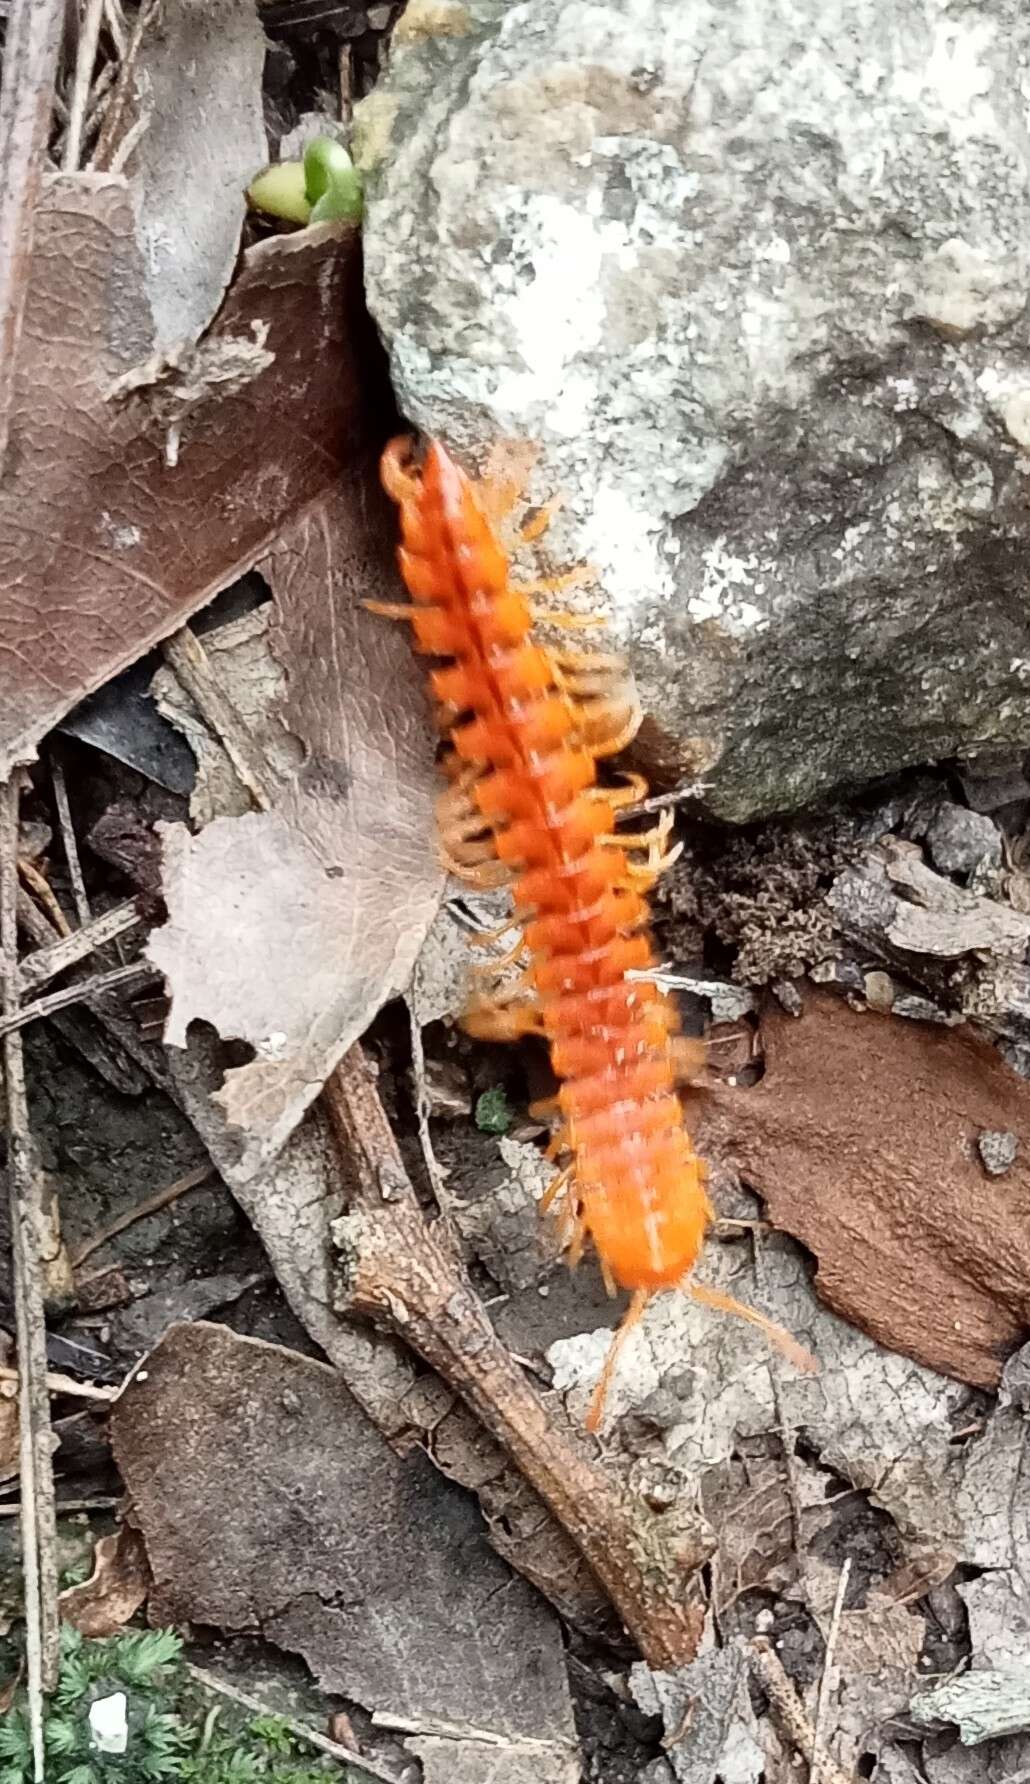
[(861, 1139), (289, 928), (198, 80), (105, 546), (117, 1587), (269, 1502)]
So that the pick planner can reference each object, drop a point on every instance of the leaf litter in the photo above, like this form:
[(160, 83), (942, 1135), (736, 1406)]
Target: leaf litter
[(166, 490), (323, 900), (707, 1413)]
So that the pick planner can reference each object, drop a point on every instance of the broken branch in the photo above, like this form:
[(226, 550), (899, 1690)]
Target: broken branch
[(396, 1271)]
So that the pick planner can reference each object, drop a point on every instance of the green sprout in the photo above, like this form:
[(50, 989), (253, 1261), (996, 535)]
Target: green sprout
[(493, 1112), (323, 188)]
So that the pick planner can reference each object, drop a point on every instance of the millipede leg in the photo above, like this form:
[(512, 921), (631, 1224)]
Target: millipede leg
[(611, 745), (631, 792), (498, 962), (391, 609), (722, 1303), (554, 1189), (633, 1316)]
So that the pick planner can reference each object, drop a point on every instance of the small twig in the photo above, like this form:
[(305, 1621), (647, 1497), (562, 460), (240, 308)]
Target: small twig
[(817, 1769), (135, 134), (108, 142), (187, 657), (662, 801), (210, 1682), (787, 1708), (444, 1199), (58, 1383), (84, 991), (114, 19), (108, 1502), (34, 882), (71, 847), (456, 1731), (85, 56), (26, 98), (55, 957), (36, 1474), (151, 1205), (396, 1271), (786, 1432)]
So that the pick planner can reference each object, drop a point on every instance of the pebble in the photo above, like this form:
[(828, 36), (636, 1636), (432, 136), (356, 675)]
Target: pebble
[(998, 1151), (960, 840)]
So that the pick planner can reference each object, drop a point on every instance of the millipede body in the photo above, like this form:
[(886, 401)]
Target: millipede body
[(527, 726)]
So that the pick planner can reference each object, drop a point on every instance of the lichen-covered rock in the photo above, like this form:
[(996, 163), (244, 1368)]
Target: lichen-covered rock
[(755, 277), (960, 841)]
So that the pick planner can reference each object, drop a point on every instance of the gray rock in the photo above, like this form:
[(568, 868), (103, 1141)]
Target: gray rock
[(755, 278), (995, 779), (960, 841), (997, 1151)]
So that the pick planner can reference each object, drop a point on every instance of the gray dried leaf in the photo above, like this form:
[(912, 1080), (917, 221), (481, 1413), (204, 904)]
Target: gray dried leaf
[(241, 1456), (987, 1704), (942, 918), (198, 79), (710, 1727), (241, 656), (289, 928), (472, 1761)]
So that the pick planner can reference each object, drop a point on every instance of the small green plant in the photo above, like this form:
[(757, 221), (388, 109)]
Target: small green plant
[(493, 1112), (174, 1735), (324, 186)]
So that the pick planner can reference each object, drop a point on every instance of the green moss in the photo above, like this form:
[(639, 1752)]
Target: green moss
[(176, 1734), (493, 1112)]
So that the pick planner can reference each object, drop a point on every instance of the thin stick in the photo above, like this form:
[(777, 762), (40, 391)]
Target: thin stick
[(71, 847), (346, 1755), (58, 1383), (30, 64), (187, 656), (107, 142), (115, 21), (444, 1199), (108, 1503), (456, 1731), (397, 1272), (35, 883), (787, 1709), (151, 1205), (38, 1522), (56, 957), (82, 992), (817, 1767), (86, 55)]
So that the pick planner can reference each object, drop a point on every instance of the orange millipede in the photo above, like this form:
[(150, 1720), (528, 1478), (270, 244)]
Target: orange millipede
[(527, 725)]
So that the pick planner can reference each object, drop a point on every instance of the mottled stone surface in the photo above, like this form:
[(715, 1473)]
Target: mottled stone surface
[(960, 841), (755, 277)]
